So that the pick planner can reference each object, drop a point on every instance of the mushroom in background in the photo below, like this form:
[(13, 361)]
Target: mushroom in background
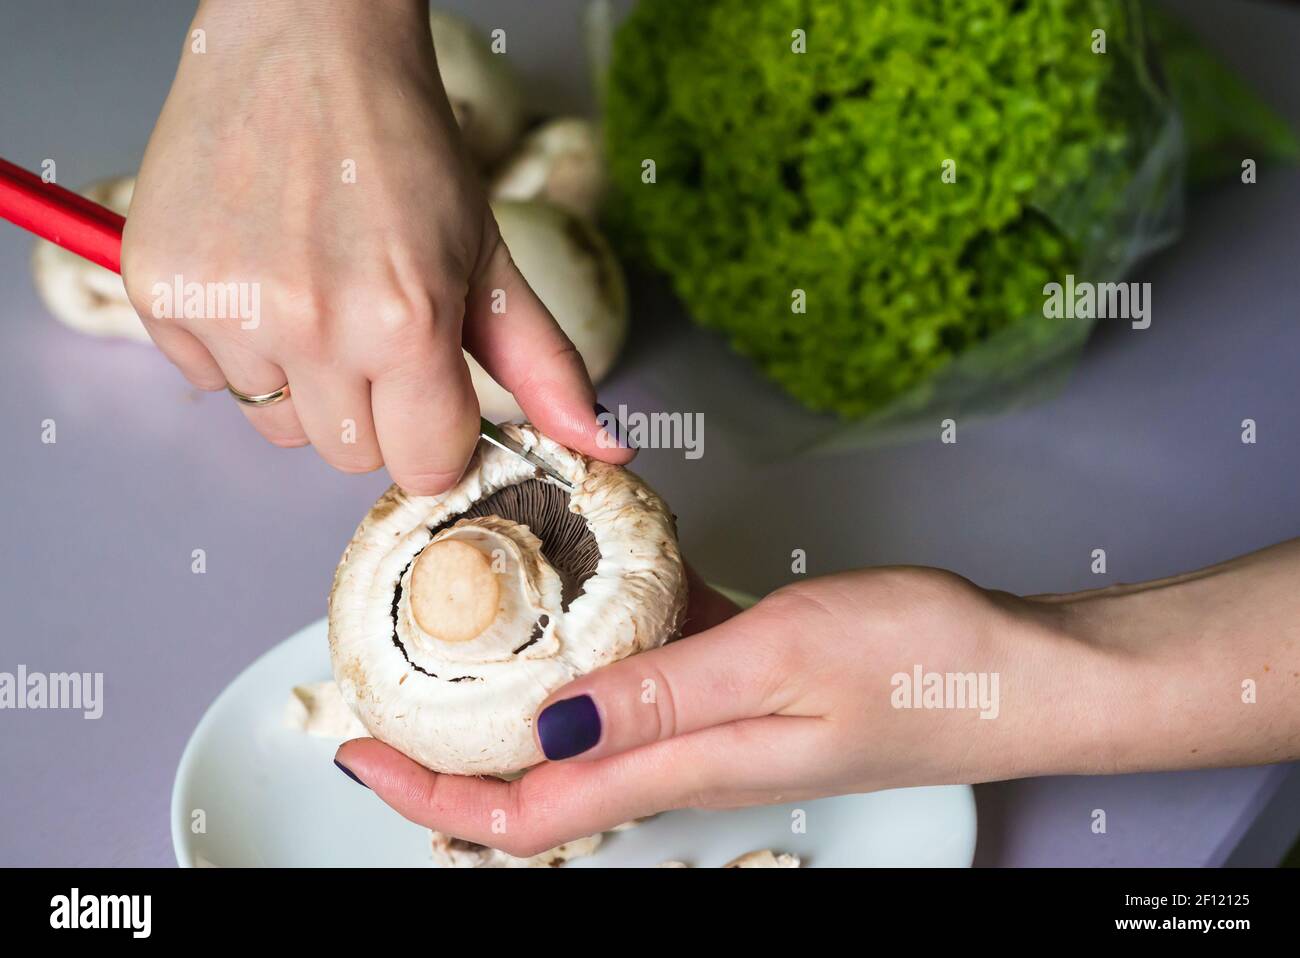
[(82, 294), (574, 272), (561, 162), (484, 92)]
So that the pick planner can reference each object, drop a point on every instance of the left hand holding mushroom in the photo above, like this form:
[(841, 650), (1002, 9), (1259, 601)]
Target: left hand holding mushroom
[(845, 684), (786, 701)]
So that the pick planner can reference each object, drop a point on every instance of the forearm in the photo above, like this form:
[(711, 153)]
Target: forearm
[(1198, 670)]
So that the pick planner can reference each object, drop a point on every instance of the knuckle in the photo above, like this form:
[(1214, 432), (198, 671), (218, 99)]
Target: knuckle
[(665, 705), (398, 318), (276, 433), (294, 316), (142, 275), (543, 374), (797, 599), (791, 600), (805, 614), (208, 382)]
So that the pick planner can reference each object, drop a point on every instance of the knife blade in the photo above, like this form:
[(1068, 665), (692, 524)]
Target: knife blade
[(490, 432)]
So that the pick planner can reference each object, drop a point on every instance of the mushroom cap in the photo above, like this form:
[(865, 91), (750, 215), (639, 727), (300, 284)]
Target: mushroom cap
[(560, 162), (82, 294), (597, 576), (483, 90), (574, 272)]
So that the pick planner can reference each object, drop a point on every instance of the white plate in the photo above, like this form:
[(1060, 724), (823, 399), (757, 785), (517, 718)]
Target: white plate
[(250, 792)]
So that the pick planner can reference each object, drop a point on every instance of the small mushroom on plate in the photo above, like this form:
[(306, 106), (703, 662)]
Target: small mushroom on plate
[(318, 709), (454, 616), (764, 858), (451, 852)]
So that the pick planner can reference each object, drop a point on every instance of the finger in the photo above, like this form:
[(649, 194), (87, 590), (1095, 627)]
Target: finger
[(187, 354), (426, 417), (255, 376), (335, 411), (742, 763), (733, 671), (514, 336)]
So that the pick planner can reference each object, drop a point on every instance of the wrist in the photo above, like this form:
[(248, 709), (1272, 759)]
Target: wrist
[(261, 58), (1065, 692), (1114, 681), (266, 22), (1165, 672)]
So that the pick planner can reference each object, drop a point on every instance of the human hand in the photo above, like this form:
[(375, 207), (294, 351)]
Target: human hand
[(791, 700), (366, 286)]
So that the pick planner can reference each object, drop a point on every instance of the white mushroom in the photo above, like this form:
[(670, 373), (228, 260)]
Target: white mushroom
[(574, 272), (319, 710), (764, 858), (453, 617), (484, 93), (560, 162), (85, 295), (451, 852)]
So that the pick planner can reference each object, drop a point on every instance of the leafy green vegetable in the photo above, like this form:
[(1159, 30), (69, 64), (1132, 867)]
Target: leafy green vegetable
[(821, 171)]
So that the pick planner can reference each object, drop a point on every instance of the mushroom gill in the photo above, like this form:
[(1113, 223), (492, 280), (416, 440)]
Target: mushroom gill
[(567, 541)]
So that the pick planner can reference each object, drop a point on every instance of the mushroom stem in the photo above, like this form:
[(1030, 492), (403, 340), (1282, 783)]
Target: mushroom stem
[(454, 592)]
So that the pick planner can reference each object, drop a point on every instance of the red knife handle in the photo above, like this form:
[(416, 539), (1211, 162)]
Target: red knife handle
[(61, 216)]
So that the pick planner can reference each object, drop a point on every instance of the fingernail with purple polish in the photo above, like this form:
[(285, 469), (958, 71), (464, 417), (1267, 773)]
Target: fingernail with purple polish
[(613, 428), (569, 727), (349, 773)]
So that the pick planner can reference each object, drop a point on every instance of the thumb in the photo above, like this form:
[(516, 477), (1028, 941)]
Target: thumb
[(730, 672)]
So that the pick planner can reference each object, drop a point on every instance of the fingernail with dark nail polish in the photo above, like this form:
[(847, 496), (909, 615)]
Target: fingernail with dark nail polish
[(348, 772), (609, 422), (569, 727)]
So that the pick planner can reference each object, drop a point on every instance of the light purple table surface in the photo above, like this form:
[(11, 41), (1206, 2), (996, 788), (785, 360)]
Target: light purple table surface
[(1140, 454)]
